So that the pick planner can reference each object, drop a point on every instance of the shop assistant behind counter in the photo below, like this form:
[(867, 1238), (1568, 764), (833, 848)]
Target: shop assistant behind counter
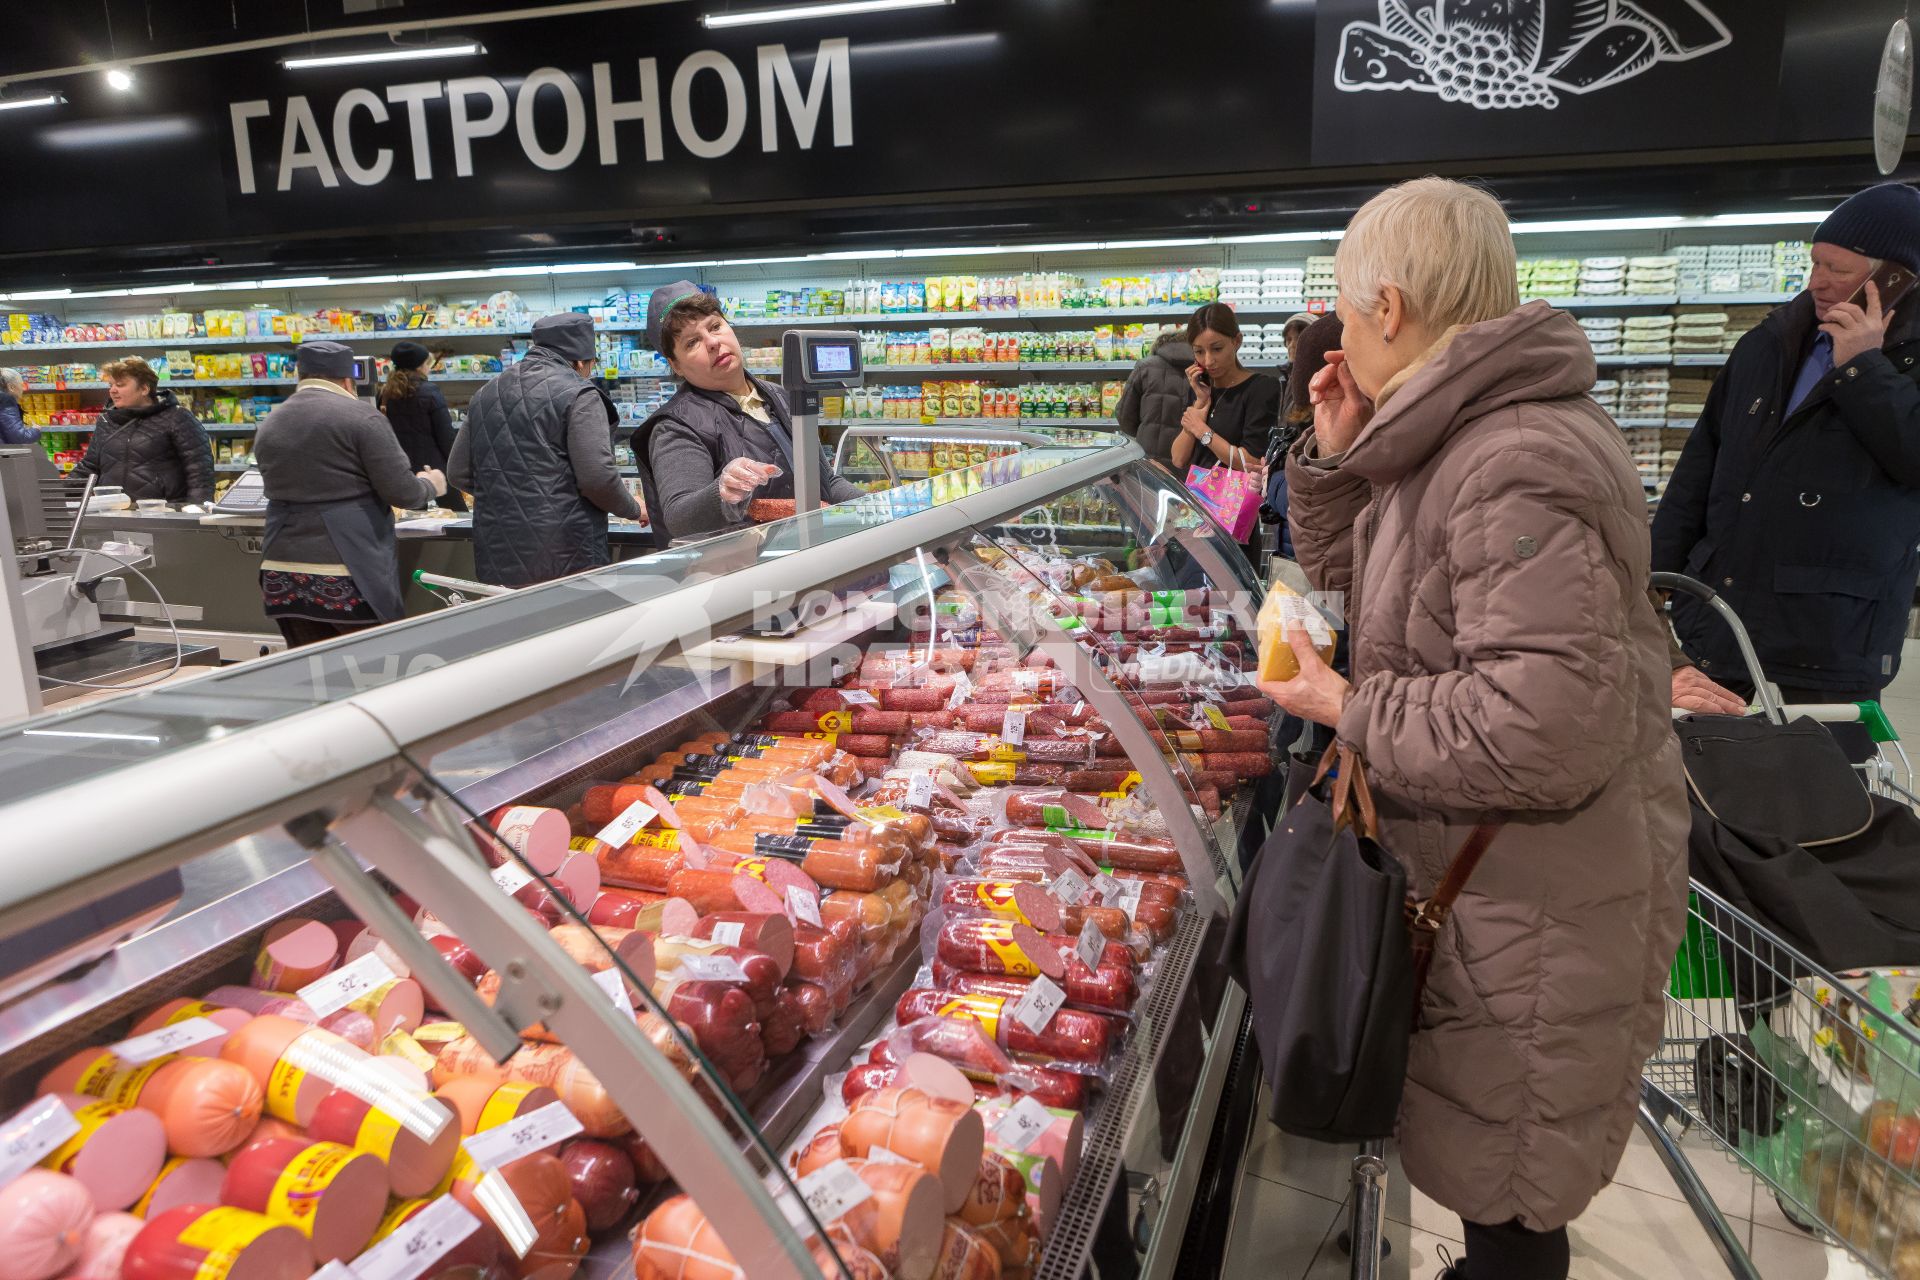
[(719, 455)]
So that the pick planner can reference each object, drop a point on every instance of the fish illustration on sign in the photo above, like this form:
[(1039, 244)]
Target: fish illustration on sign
[(1508, 54)]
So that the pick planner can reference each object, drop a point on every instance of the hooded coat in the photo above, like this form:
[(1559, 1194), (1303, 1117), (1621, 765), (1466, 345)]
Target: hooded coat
[(1157, 393), (1490, 533)]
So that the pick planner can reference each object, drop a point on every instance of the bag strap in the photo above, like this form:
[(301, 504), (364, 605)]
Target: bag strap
[(1430, 915), (1352, 800)]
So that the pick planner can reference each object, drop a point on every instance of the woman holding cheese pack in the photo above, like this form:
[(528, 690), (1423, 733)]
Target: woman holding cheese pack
[(1487, 527)]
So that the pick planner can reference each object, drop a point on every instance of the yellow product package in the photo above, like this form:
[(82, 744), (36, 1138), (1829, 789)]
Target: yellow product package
[(1286, 610)]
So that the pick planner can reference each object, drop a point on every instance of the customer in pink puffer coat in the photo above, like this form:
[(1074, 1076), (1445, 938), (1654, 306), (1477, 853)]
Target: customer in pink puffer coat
[(1490, 531)]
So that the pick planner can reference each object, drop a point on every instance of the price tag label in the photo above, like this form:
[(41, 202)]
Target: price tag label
[(611, 982), (729, 932), (512, 877), (1092, 945), (1026, 680), (1107, 887), (712, 968), (348, 983), (34, 1133), (858, 698), (621, 831), (158, 1044), (803, 907), (1036, 1008), (420, 1241), (919, 789), (1022, 1126), (1214, 715), (335, 1270), (1128, 899), (522, 1136), (834, 1190), (1070, 887), (962, 690), (1013, 727)]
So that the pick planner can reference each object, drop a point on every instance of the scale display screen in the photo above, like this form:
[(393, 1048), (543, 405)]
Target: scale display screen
[(813, 361), (833, 358)]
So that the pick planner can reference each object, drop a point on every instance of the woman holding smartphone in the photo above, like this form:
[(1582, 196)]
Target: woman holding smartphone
[(1234, 411)]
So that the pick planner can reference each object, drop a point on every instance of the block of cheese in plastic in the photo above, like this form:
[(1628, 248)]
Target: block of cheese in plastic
[(1286, 610)]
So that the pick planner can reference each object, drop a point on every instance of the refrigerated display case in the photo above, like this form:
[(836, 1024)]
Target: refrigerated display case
[(455, 797)]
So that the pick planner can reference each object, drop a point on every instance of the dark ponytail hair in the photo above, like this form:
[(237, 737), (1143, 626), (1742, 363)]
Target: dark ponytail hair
[(1217, 316)]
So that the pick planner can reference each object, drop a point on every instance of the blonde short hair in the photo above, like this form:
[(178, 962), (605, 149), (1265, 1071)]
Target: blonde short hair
[(1445, 245), (132, 367)]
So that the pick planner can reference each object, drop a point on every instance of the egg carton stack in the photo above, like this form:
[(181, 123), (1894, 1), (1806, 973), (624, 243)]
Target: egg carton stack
[(1741, 321), (1603, 277), (1549, 277), (1690, 276), (1792, 262), (1263, 344), (1687, 396), (1651, 276), (1318, 286), (1284, 288), (1240, 288), (1606, 394), (1647, 336), (1700, 331), (1644, 444), (1672, 441), (1605, 333), (1643, 394)]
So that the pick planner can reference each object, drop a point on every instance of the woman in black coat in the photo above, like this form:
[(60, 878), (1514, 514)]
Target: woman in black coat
[(147, 442), (418, 414)]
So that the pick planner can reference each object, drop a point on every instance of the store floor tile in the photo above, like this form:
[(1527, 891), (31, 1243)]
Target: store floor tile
[(1794, 1255), (1635, 1235), (1277, 1230)]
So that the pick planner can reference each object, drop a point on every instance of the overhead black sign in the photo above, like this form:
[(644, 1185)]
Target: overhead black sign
[(1414, 80)]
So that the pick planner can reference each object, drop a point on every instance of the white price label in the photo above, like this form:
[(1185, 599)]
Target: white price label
[(858, 698), (1078, 707), (1107, 887), (803, 907), (158, 1044), (1069, 887), (919, 789), (1022, 1126), (34, 1133), (712, 968), (1036, 1008), (1013, 727), (417, 1243), (346, 984), (880, 1155), (1026, 680), (615, 985), (833, 1190), (962, 690), (512, 877), (621, 831), (522, 1136), (1128, 899), (729, 932), (1092, 945), (335, 1270)]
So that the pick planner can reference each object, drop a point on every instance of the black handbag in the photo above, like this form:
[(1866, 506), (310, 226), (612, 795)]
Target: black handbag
[(1333, 953), (1792, 781)]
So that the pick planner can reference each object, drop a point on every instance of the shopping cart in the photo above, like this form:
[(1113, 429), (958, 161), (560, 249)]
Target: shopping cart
[(1808, 1079)]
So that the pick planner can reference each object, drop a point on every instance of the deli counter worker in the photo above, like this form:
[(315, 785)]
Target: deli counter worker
[(333, 471), (719, 455)]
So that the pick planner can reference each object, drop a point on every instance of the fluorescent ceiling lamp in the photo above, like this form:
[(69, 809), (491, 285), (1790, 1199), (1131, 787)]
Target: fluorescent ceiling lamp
[(120, 78), (78, 733), (383, 55), (1671, 223), (795, 12), (44, 100)]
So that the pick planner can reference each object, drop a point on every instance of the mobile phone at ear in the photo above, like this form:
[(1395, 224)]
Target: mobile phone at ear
[(1894, 280)]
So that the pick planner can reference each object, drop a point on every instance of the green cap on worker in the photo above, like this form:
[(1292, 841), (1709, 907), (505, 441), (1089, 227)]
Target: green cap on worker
[(661, 302)]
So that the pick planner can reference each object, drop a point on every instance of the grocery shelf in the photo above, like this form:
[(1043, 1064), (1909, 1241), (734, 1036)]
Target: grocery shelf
[(1712, 361), (927, 424), (233, 466), (275, 339), (1631, 362), (1612, 301), (1735, 299), (1640, 422)]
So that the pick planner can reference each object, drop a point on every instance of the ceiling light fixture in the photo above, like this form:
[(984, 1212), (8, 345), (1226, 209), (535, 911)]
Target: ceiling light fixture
[(797, 12), (384, 55), (44, 100), (120, 78)]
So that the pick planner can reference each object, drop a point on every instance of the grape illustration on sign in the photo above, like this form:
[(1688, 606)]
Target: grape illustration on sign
[(1507, 54)]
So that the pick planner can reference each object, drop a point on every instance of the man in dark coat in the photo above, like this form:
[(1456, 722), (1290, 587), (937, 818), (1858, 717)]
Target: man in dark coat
[(537, 456), (1797, 497)]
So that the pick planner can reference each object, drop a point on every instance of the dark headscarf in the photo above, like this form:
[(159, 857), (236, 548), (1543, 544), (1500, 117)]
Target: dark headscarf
[(1309, 358)]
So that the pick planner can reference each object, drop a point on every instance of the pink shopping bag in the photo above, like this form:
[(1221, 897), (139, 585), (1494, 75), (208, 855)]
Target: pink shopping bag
[(1232, 496)]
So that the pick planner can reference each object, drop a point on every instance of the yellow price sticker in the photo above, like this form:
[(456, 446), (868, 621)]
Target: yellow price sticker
[(1215, 716), (879, 813)]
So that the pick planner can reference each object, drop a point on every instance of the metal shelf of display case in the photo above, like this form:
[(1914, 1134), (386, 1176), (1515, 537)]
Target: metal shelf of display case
[(1090, 314), (1701, 361), (909, 425), (1735, 299), (1611, 301), (268, 339), (1632, 362)]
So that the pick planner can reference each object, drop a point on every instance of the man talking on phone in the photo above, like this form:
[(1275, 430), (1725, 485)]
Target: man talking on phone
[(718, 456), (1797, 497)]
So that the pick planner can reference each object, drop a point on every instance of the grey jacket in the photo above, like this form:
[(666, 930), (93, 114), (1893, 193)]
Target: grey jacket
[(1157, 394), (537, 455), (691, 438), (318, 447)]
